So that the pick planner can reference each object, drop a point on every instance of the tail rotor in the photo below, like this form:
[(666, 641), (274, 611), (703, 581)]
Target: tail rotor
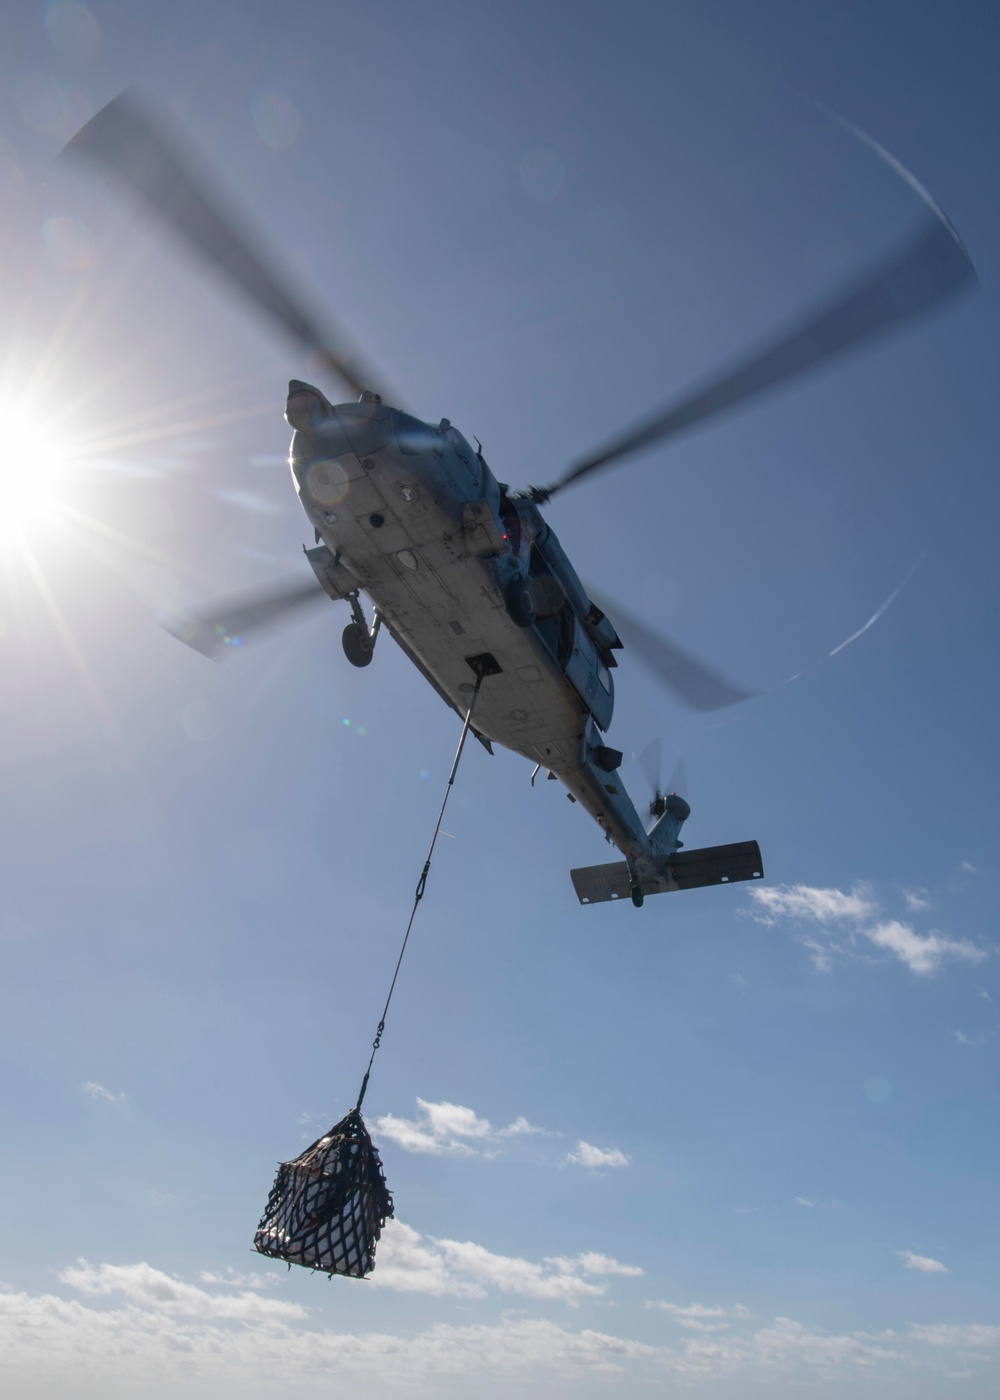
[(651, 763)]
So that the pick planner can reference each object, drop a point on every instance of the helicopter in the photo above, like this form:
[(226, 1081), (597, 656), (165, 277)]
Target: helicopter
[(464, 573)]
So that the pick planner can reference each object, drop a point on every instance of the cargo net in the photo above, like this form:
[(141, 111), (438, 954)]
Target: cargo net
[(327, 1207)]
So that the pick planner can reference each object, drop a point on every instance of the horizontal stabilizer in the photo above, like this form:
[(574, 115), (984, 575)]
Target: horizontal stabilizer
[(717, 865), (686, 870)]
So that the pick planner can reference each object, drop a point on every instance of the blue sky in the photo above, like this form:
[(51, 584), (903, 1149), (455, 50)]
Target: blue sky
[(740, 1142)]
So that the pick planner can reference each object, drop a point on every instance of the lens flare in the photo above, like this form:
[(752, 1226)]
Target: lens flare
[(328, 482)]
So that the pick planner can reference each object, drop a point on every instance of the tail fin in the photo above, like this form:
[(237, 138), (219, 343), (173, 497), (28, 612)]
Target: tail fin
[(684, 870), (673, 812)]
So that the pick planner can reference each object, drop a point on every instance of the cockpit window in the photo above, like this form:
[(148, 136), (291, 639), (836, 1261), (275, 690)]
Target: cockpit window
[(511, 522)]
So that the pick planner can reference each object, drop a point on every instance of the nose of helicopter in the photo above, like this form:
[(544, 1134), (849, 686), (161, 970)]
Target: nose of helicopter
[(335, 445), (323, 429), (305, 406)]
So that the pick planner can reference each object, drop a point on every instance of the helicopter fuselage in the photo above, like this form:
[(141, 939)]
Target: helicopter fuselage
[(412, 516), (471, 581)]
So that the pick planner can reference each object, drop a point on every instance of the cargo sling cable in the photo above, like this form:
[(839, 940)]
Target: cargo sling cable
[(421, 885), (326, 1208)]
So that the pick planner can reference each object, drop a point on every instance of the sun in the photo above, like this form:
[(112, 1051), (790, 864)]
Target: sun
[(52, 455), (34, 463)]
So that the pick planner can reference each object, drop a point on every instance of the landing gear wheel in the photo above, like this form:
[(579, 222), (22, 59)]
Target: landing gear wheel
[(520, 600), (358, 646), (637, 896)]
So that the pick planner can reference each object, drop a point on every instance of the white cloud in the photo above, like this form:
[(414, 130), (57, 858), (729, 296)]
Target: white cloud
[(604, 1264), (820, 954), (452, 1120), (61, 1347), (916, 900), (444, 1128), (98, 1091), (587, 1155), (320, 1121), (519, 1128), (787, 1341), (511, 1275), (413, 1137), (153, 1346), (830, 909), (973, 1041), (150, 1288), (818, 1205), (921, 1262), (413, 1263), (943, 1334), (232, 1279), (922, 954), (409, 1262), (699, 1317), (968, 867), (984, 994), (806, 902)]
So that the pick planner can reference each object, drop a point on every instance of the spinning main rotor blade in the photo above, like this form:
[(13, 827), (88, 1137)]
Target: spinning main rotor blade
[(228, 624), (694, 682), (651, 763), (926, 271), (679, 781), (131, 139)]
